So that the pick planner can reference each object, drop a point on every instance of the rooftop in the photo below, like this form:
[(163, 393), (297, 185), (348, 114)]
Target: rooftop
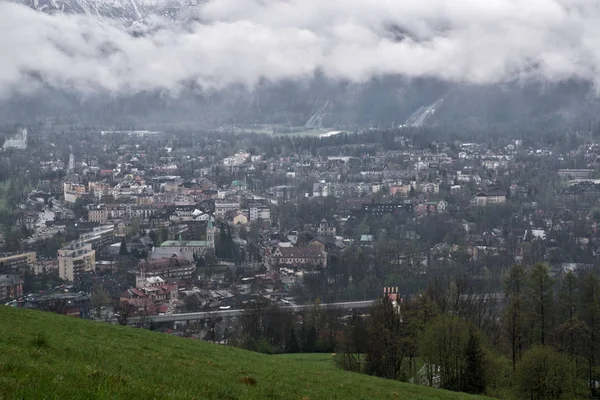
[(185, 243)]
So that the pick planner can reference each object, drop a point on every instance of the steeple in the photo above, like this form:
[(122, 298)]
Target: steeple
[(210, 233)]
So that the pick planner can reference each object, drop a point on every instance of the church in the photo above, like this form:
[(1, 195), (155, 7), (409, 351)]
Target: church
[(187, 248)]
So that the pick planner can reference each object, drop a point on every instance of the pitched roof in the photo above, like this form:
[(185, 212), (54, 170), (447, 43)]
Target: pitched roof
[(496, 191)]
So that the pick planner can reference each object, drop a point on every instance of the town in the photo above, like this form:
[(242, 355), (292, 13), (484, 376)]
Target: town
[(170, 223), (187, 233)]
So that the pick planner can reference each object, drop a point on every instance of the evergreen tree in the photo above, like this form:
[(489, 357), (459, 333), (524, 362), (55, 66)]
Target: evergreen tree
[(310, 346), (474, 381), (293, 346), (591, 316), (514, 314), (541, 296)]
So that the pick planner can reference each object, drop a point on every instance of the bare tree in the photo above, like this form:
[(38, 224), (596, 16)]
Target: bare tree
[(124, 311)]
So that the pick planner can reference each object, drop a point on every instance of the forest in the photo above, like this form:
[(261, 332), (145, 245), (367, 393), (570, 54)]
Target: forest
[(537, 339)]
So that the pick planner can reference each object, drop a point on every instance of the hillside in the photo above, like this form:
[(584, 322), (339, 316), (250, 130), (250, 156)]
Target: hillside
[(43, 355)]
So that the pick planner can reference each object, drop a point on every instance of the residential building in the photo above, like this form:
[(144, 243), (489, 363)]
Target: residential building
[(299, 256), (76, 259), (16, 263), (44, 266), (73, 191), (11, 287), (222, 208), (384, 208), (490, 197), (100, 237), (240, 219), (259, 212), (173, 267), (326, 228)]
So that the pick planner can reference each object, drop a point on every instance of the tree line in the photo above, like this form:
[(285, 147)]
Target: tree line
[(538, 339)]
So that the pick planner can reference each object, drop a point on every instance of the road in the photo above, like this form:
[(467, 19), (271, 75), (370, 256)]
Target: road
[(237, 312)]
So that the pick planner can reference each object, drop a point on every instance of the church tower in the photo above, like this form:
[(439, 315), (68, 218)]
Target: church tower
[(210, 233)]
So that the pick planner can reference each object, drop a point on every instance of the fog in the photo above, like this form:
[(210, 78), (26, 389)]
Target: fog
[(249, 41)]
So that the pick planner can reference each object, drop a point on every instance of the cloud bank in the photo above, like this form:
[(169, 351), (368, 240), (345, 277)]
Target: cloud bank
[(249, 41)]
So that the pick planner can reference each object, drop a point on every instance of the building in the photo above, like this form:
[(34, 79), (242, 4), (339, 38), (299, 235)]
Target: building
[(326, 229), (299, 256), (11, 287), (76, 259), (19, 141), (376, 209), (98, 214), (73, 304), (103, 213), (490, 197), (16, 263), (44, 267), (100, 189), (259, 212), (187, 249), (156, 288), (575, 173), (173, 267), (100, 237), (240, 219), (73, 191), (223, 208)]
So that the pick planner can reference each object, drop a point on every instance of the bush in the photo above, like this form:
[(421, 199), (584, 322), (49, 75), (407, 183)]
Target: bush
[(544, 374)]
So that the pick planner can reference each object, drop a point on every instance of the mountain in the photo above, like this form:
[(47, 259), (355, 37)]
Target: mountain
[(385, 101), (44, 355), (127, 11)]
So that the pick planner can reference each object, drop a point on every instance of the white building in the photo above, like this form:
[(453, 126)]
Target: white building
[(76, 259), (259, 213), (19, 141), (222, 208)]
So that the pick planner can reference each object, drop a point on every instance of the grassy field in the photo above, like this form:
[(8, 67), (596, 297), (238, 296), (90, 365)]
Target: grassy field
[(322, 360), (46, 356)]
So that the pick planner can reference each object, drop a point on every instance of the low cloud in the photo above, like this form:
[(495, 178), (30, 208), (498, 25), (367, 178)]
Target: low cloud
[(248, 41)]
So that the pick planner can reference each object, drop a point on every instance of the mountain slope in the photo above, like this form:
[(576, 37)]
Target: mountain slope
[(44, 355)]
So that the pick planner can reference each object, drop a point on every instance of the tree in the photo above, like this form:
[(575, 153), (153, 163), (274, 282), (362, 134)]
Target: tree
[(540, 289), (79, 208), (352, 344), (591, 316), (385, 329), (544, 374), (99, 298), (310, 345), (134, 226), (475, 365), (444, 346), (124, 311), (293, 345), (514, 314)]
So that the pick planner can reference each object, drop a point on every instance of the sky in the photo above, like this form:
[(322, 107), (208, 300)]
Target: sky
[(249, 41)]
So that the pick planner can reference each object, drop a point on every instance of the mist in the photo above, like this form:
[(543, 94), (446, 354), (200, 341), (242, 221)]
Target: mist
[(244, 42)]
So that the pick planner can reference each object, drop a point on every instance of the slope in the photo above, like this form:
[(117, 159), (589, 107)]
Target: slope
[(43, 355)]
